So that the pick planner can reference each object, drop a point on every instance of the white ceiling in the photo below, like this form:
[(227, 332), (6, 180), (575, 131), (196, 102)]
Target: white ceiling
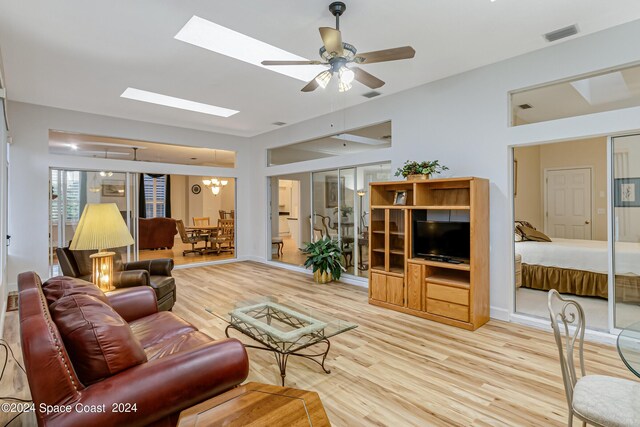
[(81, 55)]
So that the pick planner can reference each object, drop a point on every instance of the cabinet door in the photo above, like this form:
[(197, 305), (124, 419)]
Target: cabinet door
[(415, 275), (395, 290), (378, 286)]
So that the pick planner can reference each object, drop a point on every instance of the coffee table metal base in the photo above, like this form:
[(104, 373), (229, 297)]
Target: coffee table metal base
[(283, 356)]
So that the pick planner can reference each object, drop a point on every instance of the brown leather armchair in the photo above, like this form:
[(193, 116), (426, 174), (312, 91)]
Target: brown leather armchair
[(155, 273), (178, 367)]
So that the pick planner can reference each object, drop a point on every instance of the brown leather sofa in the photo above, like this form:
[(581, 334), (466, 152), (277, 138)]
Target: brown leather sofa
[(88, 354), (155, 273), (156, 233)]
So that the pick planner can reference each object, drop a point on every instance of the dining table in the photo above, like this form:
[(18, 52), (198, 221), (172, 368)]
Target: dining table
[(628, 344)]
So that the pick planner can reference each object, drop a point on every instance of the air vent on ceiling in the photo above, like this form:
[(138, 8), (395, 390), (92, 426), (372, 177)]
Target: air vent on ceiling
[(279, 123), (371, 94), (525, 106), (561, 33)]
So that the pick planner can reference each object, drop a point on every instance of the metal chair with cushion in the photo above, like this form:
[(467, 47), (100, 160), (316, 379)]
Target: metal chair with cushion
[(595, 399), (192, 239)]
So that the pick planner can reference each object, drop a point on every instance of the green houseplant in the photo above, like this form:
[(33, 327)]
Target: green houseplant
[(420, 170), (325, 256)]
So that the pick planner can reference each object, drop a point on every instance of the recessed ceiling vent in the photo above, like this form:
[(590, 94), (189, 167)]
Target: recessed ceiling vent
[(525, 106), (553, 36), (371, 94), (279, 123)]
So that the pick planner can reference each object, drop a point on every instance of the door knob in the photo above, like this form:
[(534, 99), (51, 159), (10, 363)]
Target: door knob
[(587, 222)]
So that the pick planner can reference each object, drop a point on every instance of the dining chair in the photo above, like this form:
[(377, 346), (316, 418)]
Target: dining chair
[(199, 221), (595, 399), (225, 235), (191, 239)]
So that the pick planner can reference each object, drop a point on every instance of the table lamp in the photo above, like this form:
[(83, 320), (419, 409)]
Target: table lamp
[(101, 227)]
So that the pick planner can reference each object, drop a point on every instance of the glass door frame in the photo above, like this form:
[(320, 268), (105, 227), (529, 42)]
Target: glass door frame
[(611, 229), (131, 209), (357, 214)]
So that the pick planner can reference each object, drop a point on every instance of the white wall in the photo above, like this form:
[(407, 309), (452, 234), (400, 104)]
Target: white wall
[(3, 216), (463, 122), (30, 163)]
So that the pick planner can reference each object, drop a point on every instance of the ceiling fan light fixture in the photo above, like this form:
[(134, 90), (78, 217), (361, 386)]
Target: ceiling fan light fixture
[(346, 75), (343, 87), (323, 78)]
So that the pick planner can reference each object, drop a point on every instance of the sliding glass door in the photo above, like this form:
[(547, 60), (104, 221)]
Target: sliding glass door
[(70, 191), (626, 229)]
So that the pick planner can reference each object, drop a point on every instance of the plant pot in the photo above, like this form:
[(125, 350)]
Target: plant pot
[(418, 177), (322, 277)]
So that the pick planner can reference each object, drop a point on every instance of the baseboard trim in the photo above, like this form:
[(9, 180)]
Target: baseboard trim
[(498, 313), (540, 323), (206, 263), (362, 282)]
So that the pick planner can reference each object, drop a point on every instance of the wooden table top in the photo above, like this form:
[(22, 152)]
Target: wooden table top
[(256, 404), (201, 227)]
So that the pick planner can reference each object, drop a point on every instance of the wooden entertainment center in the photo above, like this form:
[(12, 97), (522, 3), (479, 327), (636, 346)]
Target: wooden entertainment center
[(453, 293)]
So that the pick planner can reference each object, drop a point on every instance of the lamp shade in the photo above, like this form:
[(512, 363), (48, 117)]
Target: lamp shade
[(101, 227)]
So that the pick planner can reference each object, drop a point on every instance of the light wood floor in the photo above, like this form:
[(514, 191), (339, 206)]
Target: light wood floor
[(394, 369), (175, 253)]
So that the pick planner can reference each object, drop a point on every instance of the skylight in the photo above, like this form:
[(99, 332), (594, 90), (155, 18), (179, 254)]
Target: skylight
[(603, 89), (209, 35), (170, 101)]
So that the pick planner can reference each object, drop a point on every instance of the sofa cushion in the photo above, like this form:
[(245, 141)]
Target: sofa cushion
[(59, 287), (98, 340), (177, 344), (164, 325)]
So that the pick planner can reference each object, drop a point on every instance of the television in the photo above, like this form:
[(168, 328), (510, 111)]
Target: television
[(444, 240)]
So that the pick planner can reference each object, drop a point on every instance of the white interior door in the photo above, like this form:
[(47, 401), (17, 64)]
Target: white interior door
[(568, 203)]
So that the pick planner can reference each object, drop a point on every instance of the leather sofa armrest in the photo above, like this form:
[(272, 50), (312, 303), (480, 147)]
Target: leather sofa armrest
[(163, 386), (155, 267), (130, 278), (133, 303)]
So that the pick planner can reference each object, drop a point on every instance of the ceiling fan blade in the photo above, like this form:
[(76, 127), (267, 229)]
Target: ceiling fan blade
[(311, 86), (268, 63), (405, 52), (367, 79), (332, 40)]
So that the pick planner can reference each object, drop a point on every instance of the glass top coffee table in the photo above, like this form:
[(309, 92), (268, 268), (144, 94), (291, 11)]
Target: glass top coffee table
[(283, 328), (628, 344)]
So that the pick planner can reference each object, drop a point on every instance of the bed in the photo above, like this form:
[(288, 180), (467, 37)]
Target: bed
[(580, 267)]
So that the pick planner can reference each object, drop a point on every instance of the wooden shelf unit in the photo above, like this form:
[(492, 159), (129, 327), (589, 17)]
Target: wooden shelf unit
[(455, 294)]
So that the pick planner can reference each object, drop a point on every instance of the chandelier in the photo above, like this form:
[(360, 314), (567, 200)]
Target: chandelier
[(215, 184)]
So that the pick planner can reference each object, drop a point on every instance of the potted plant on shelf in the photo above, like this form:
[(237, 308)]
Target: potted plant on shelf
[(325, 256), (418, 171)]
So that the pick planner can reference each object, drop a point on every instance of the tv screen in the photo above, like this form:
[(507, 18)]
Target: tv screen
[(445, 239)]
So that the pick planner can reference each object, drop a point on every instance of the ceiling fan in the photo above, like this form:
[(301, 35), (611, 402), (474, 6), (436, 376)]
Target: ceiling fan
[(337, 54)]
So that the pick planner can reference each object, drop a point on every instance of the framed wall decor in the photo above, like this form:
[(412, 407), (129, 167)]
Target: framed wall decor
[(627, 192), (112, 188), (400, 198), (331, 189)]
